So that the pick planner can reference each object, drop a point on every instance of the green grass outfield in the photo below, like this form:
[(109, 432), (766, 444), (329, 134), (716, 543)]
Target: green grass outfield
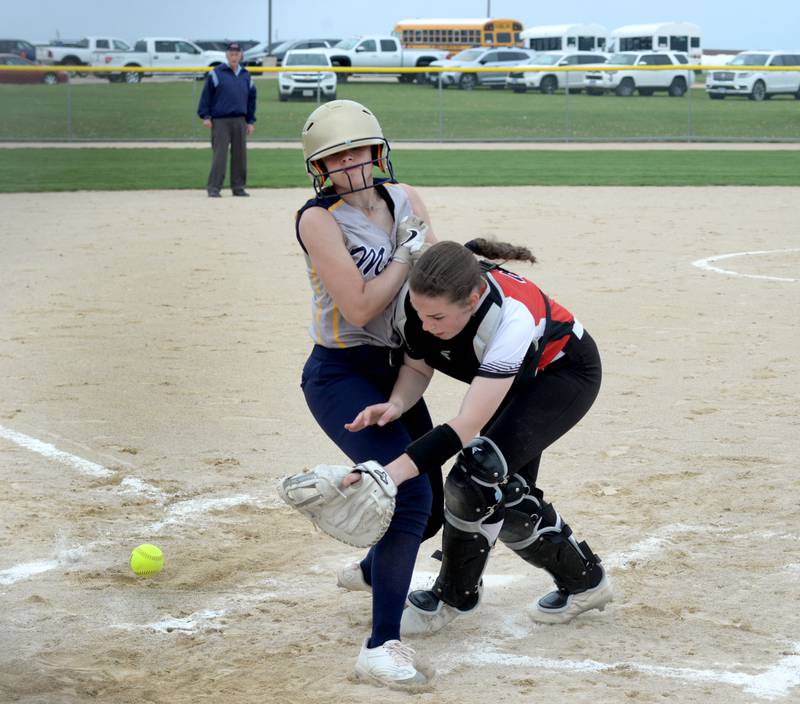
[(98, 110), (92, 169)]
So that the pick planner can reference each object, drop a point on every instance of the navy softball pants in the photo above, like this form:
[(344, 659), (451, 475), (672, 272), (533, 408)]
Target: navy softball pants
[(338, 384)]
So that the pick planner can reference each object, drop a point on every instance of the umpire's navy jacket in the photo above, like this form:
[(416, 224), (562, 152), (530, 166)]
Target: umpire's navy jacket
[(228, 94)]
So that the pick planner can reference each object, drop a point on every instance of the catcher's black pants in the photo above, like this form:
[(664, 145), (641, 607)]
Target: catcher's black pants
[(540, 411)]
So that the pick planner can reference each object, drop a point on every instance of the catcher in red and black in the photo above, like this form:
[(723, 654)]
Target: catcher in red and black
[(533, 373)]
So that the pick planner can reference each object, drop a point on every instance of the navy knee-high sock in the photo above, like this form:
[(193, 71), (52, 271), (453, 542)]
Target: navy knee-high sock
[(390, 562), (392, 565)]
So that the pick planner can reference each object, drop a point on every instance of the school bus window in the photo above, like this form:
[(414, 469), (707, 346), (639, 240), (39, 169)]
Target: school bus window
[(503, 37)]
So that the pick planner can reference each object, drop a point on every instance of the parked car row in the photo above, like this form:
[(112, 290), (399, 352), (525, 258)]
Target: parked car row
[(594, 79), (749, 79), (753, 73)]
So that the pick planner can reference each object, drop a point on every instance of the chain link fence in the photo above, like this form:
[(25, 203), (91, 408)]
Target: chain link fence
[(64, 106)]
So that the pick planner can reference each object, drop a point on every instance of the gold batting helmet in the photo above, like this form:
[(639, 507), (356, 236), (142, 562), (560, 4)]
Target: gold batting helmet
[(339, 125)]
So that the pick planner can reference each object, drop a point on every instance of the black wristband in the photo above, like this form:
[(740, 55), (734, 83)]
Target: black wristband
[(434, 448)]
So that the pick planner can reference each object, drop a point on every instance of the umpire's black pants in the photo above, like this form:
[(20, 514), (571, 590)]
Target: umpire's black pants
[(228, 133)]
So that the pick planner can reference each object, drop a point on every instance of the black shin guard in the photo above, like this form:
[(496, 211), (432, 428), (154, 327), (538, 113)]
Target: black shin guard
[(535, 531), (473, 515)]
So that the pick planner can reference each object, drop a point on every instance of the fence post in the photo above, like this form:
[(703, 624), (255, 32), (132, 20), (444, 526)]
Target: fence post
[(69, 107), (567, 115), (194, 108), (689, 110), (441, 109)]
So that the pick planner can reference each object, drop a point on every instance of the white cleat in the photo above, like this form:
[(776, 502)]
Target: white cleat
[(561, 606), (389, 665), (351, 577), (417, 621)]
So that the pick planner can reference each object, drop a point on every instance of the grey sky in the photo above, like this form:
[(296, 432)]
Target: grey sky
[(725, 25)]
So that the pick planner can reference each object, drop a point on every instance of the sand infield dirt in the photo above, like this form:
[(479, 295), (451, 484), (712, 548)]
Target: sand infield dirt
[(150, 350)]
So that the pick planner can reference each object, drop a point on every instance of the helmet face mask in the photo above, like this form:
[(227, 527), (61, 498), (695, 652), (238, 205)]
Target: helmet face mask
[(337, 126)]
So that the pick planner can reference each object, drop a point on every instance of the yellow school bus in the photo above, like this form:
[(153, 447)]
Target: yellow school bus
[(455, 35)]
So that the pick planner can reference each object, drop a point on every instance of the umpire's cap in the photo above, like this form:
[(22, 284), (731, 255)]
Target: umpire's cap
[(233, 46)]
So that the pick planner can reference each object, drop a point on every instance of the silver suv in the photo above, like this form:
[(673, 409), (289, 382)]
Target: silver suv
[(748, 77), (676, 81), (548, 81), (502, 58)]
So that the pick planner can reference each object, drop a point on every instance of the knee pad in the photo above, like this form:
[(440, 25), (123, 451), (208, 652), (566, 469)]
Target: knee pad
[(536, 532), (474, 512), (482, 461)]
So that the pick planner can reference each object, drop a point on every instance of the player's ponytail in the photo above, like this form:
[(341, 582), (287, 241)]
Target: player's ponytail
[(491, 249), (450, 269)]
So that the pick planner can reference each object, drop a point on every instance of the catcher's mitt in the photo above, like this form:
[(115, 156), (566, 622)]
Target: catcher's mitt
[(358, 515)]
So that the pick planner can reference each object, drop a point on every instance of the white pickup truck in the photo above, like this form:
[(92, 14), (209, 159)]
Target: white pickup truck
[(159, 52), (382, 52), (89, 51)]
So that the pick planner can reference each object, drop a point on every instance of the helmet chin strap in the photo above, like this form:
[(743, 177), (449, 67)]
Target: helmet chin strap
[(319, 180)]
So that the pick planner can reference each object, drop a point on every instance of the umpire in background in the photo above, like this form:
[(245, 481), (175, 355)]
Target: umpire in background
[(228, 107)]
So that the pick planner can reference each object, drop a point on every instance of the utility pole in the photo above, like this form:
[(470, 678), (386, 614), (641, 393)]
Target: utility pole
[(488, 8), (269, 23)]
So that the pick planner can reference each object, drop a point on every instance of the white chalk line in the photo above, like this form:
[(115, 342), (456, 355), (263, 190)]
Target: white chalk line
[(706, 264), (183, 510), (45, 449), (206, 619), (773, 682), (26, 570), (653, 545)]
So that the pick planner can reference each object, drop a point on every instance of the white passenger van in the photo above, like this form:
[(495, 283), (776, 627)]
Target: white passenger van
[(565, 37), (683, 37)]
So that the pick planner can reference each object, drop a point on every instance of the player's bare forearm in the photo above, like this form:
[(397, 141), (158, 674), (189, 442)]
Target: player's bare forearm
[(402, 469), (409, 387), (482, 399)]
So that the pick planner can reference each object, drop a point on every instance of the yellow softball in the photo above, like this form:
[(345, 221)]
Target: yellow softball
[(147, 560)]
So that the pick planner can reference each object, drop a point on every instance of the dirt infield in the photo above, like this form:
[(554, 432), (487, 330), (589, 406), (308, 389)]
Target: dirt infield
[(150, 351)]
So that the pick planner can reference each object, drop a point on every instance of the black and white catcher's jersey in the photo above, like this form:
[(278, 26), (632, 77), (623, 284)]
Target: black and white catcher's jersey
[(510, 321)]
